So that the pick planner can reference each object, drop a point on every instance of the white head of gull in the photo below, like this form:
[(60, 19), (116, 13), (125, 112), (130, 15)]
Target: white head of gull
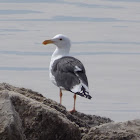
[(63, 45), (67, 72)]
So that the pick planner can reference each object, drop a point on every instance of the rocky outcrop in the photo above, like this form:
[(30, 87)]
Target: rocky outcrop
[(129, 130), (39, 121), (27, 115)]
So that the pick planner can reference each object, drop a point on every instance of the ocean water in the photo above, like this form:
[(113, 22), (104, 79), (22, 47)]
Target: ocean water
[(105, 36)]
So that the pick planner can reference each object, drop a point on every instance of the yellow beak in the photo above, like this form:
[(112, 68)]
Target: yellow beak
[(47, 42)]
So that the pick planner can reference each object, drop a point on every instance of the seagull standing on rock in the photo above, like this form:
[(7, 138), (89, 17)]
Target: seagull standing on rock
[(67, 72)]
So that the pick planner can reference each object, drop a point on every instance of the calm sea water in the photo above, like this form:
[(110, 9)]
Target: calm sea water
[(105, 36)]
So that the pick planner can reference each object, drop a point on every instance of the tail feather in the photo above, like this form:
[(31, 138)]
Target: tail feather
[(83, 93)]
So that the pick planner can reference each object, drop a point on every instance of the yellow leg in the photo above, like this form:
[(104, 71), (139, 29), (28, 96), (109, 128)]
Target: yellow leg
[(60, 96)]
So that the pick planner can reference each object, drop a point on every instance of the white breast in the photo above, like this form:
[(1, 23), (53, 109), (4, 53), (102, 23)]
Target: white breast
[(52, 78)]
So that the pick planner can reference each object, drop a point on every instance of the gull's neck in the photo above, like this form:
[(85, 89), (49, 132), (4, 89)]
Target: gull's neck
[(60, 52)]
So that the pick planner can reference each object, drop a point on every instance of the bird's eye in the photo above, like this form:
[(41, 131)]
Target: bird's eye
[(60, 39)]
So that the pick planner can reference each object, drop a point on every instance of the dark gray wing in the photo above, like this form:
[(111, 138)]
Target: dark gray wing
[(68, 71)]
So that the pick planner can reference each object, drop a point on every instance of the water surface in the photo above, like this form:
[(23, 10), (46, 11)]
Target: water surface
[(105, 37)]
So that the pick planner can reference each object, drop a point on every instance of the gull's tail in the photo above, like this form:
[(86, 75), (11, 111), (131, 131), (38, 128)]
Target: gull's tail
[(84, 93)]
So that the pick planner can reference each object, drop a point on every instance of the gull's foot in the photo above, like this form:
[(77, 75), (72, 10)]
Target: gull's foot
[(72, 111)]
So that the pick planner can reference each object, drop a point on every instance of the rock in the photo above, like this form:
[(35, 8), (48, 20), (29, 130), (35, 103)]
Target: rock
[(27, 115), (129, 130), (40, 122), (10, 123), (91, 120)]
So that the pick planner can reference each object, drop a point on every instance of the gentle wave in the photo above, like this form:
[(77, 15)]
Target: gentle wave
[(124, 0), (72, 53), (11, 12), (78, 4), (107, 42), (26, 53), (23, 69), (61, 18)]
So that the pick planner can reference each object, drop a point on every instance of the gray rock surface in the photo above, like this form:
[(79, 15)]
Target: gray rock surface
[(39, 121), (10, 123), (27, 115), (129, 130)]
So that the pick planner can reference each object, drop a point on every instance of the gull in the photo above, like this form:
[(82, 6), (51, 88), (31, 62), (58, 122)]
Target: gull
[(67, 72)]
